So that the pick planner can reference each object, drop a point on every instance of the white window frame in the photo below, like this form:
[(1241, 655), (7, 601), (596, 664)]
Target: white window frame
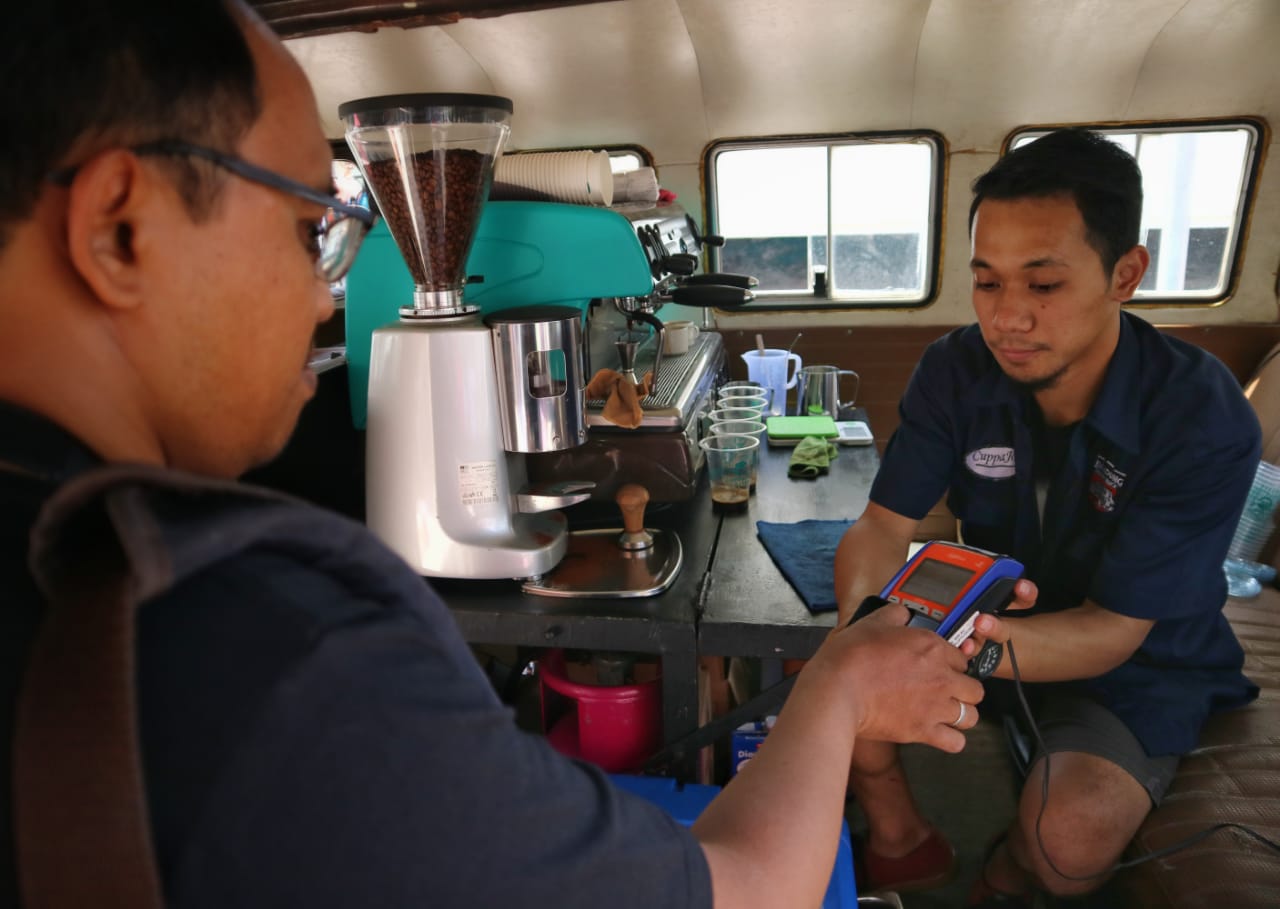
[(930, 248), (1229, 273)]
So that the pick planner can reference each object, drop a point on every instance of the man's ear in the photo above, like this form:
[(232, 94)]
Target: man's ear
[(108, 202), (1127, 274)]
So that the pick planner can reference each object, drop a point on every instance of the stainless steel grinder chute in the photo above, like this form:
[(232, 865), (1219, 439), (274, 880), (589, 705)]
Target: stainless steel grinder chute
[(538, 358)]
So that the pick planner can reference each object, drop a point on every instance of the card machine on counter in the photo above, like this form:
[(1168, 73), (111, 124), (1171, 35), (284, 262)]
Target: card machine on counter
[(946, 586)]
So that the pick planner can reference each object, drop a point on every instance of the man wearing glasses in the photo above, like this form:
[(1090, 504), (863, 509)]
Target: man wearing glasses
[(311, 730)]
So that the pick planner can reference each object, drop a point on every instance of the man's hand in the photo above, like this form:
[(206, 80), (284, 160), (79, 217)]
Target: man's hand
[(990, 628), (907, 683)]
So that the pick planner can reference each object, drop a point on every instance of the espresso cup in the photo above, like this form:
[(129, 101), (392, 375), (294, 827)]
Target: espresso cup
[(679, 336)]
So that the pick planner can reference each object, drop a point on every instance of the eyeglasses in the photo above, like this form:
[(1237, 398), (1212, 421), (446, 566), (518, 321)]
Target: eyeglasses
[(337, 235)]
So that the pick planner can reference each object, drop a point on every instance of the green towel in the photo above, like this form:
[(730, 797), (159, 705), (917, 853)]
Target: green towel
[(811, 458)]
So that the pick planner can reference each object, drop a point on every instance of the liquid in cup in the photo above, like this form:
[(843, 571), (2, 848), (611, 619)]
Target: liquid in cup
[(729, 460)]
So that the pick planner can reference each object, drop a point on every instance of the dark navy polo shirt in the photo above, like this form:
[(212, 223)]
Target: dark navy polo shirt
[(1138, 518)]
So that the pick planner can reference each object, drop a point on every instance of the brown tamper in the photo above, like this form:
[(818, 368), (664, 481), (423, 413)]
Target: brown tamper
[(631, 499)]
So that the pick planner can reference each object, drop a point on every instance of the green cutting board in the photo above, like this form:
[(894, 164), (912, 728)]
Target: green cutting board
[(796, 428)]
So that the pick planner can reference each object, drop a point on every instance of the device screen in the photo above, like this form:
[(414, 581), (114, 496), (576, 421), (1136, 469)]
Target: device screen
[(937, 582)]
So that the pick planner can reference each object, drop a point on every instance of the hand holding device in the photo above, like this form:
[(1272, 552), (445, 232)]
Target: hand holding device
[(946, 586)]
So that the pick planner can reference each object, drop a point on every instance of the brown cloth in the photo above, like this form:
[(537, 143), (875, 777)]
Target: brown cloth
[(623, 405)]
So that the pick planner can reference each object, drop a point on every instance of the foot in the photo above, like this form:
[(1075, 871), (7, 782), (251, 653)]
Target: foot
[(986, 895), (931, 864)]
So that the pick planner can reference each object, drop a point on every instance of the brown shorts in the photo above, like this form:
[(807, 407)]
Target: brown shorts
[(1071, 723)]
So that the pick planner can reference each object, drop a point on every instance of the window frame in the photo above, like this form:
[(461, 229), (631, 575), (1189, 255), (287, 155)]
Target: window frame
[(788, 301), (1261, 140)]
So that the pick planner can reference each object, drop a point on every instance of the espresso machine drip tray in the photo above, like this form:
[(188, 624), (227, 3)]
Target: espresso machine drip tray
[(594, 566), (683, 381)]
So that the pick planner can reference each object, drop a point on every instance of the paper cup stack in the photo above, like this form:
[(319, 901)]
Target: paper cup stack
[(581, 177)]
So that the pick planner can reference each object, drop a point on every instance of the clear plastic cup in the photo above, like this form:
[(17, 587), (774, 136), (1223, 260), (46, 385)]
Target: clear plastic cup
[(742, 387), (752, 428), (729, 460), (725, 414), (758, 403)]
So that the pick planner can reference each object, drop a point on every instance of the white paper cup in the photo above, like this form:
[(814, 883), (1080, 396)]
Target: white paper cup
[(580, 177)]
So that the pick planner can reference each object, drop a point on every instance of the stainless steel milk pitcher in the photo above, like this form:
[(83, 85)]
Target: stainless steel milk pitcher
[(818, 391)]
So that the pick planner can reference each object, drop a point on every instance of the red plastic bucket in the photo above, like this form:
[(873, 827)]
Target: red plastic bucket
[(614, 726)]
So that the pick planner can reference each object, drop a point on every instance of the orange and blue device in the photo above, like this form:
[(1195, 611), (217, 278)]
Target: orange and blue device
[(946, 586)]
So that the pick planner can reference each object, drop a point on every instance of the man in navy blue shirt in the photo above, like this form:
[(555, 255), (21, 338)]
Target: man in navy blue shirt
[(313, 729), (1109, 459)]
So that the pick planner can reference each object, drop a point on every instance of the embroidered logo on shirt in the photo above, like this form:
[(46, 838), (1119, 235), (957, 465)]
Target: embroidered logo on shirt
[(993, 463), (1104, 485)]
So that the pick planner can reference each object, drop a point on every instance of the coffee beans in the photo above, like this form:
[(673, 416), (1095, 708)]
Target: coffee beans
[(451, 184)]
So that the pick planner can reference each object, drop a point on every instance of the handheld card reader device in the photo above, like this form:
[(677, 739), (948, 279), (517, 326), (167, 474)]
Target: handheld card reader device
[(946, 586)]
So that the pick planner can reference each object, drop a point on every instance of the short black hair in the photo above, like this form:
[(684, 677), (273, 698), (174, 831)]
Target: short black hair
[(80, 76), (1102, 178)]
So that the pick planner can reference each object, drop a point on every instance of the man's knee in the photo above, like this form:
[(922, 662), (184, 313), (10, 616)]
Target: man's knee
[(1072, 842)]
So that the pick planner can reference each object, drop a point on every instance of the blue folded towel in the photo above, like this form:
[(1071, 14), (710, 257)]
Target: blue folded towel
[(805, 552)]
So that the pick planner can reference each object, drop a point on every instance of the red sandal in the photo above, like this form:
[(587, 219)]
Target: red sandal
[(931, 864)]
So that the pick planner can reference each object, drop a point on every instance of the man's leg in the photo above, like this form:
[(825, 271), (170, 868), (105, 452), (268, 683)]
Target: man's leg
[(1101, 787), (903, 850), (1093, 811)]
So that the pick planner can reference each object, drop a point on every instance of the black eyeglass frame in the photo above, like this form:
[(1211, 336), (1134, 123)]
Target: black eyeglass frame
[(251, 172)]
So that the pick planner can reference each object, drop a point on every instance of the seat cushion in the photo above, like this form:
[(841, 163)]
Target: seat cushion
[(1233, 776)]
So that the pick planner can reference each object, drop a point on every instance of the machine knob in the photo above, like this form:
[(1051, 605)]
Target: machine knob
[(631, 499)]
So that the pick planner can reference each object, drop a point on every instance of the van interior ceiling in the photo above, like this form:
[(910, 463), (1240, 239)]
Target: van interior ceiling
[(673, 76)]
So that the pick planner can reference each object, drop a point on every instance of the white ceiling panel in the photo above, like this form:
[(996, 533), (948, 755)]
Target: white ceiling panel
[(986, 67), (795, 66), (1215, 58)]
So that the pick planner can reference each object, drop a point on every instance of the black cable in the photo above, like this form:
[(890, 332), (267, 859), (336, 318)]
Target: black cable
[(1044, 801)]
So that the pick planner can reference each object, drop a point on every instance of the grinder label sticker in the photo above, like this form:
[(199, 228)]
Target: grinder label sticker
[(478, 482)]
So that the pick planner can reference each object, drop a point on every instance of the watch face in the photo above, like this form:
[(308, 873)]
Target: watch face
[(985, 661)]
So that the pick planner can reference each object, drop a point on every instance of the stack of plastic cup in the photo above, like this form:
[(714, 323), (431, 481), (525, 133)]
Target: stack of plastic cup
[(1258, 522)]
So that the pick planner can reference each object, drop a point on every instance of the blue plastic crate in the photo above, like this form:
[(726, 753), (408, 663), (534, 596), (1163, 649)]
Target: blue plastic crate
[(686, 802)]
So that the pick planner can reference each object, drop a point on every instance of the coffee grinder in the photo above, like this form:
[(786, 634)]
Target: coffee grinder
[(456, 402)]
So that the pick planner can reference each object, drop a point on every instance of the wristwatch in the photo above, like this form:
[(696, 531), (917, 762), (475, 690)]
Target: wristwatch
[(985, 661)]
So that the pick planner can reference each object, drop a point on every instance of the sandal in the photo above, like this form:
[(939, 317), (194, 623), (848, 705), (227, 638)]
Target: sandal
[(931, 864)]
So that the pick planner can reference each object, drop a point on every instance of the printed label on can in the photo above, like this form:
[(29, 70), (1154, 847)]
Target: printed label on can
[(478, 482)]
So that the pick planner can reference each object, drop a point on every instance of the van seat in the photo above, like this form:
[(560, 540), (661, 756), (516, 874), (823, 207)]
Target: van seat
[(1234, 774)]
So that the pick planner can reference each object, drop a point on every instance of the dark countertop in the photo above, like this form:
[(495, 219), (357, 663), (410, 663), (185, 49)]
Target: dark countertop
[(499, 612), (749, 608)]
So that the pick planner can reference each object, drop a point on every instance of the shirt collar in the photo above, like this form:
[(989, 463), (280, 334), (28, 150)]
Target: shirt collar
[(40, 447), (1114, 413)]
